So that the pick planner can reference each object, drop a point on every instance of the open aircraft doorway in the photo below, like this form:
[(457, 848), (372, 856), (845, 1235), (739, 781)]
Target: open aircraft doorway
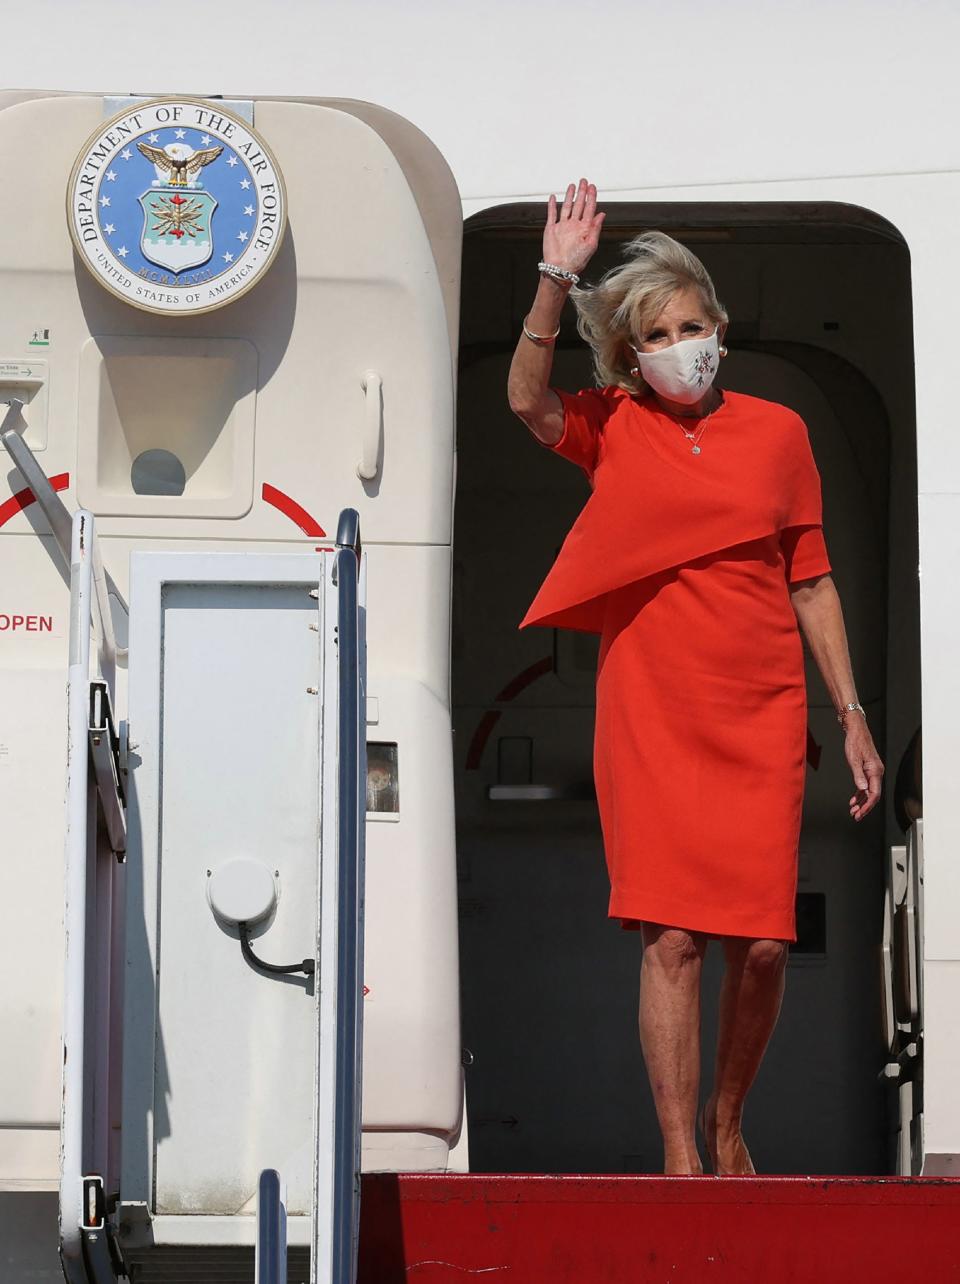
[(819, 297)]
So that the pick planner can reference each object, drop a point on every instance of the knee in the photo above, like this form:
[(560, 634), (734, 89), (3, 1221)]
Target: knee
[(672, 949), (765, 958)]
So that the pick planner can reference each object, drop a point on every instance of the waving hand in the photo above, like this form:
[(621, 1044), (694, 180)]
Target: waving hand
[(572, 232)]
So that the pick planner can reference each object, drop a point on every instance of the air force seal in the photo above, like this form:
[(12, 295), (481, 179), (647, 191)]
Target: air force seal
[(176, 206)]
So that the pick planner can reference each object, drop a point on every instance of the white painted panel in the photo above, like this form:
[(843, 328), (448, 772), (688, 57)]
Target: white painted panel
[(29, 1160), (240, 771), (940, 642), (411, 1058), (408, 618), (368, 299), (33, 734), (32, 765), (355, 287), (359, 285), (193, 400), (941, 1056)]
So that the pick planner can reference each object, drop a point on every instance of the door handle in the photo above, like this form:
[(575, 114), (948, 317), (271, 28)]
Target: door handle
[(372, 425)]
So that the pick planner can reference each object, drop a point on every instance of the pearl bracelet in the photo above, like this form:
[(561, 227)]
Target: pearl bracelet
[(557, 273)]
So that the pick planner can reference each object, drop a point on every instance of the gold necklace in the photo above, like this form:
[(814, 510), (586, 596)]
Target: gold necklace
[(695, 435)]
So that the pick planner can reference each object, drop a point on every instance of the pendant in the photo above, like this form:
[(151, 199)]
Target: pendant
[(695, 450)]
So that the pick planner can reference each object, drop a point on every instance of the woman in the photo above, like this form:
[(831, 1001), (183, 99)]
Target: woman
[(695, 558)]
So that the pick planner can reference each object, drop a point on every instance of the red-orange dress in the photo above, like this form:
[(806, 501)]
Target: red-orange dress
[(681, 562)]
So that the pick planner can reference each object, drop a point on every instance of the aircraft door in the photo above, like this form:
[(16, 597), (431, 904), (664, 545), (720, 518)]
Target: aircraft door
[(189, 406)]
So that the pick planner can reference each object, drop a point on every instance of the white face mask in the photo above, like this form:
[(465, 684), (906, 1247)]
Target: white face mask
[(684, 371)]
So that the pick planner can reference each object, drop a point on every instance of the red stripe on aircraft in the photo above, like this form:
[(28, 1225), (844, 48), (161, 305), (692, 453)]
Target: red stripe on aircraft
[(489, 720), (480, 738), (290, 508), (523, 679), (24, 498)]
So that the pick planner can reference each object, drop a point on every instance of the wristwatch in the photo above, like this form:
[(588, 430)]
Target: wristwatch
[(852, 707)]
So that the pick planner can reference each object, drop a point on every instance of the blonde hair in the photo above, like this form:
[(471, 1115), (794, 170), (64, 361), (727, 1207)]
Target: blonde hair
[(628, 298)]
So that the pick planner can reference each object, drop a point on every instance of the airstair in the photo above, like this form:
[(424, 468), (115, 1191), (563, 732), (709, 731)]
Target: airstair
[(187, 824)]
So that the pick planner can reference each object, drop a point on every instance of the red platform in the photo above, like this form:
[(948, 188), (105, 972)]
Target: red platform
[(655, 1230)]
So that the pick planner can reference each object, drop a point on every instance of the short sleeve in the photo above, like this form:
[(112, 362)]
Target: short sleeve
[(804, 552), (584, 415)]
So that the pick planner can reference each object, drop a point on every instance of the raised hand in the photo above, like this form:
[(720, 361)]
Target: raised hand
[(570, 240), (572, 233)]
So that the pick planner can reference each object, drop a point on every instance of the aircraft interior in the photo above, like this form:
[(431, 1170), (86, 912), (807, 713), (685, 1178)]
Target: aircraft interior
[(819, 298)]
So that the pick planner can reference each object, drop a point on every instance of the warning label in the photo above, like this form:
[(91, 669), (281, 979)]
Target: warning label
[(14, 622)]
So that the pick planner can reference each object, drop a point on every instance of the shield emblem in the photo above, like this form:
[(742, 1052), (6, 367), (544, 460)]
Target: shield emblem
[(177, 227)]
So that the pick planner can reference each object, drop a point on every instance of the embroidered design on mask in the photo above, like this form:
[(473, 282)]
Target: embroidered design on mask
[(703, 365)]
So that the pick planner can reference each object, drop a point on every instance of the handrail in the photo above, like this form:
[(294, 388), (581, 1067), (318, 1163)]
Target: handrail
[(372, 437), (91, 892), (348, 531), (352, 800), (72, 1118), (337, 1120), (271, 1251), (52, 506), (62, 526)]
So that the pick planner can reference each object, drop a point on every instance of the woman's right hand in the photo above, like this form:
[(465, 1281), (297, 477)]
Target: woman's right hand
[(572, 233), (570, 240)]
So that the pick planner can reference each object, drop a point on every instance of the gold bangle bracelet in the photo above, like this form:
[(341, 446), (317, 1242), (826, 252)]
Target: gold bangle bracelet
[(541, 339)]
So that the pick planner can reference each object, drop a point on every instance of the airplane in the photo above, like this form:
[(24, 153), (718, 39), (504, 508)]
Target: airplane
[(360, 364)]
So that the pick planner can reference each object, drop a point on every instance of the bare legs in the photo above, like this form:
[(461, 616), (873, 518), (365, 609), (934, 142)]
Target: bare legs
[(670, 1037), (750, 1001)]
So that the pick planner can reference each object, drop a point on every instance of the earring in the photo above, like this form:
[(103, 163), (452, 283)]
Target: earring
[(723, 350), (634, 370)]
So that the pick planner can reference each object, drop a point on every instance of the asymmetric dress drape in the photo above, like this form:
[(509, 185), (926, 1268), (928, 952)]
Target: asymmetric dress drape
[(681, 562)]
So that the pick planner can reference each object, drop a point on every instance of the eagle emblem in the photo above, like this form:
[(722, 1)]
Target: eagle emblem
[(177, 225), (177, 163), (176, 205)]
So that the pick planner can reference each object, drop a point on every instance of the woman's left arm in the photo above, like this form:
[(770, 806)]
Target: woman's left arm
[(817, 607)]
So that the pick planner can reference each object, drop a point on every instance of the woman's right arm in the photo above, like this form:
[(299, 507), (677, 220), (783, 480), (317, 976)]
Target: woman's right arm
[(570, 240)]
